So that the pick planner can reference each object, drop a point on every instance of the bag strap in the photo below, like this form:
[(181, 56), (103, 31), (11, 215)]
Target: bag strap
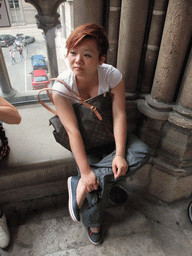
[(80, 99), (68, 87)]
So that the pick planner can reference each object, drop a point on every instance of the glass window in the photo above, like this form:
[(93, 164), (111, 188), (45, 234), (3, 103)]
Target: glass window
[(20, 71), (13, 3), (40, 78), (38, 61), (16, 4)]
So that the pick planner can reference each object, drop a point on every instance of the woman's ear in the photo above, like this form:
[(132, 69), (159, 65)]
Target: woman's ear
[(102, 60)]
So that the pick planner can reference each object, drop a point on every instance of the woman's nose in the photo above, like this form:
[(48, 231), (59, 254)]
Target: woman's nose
[(78, 58)]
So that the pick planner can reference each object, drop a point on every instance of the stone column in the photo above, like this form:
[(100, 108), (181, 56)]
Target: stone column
[(63, 20), (86, 11), (153, 44), (131, 35), (113, 31), (175, 41), (171, 176), (47, 20), (51, 52), (174, 45), (5, 83), (184, 104), (69, 17)]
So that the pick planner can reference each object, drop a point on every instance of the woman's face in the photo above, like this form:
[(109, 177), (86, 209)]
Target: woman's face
[(84, 59)]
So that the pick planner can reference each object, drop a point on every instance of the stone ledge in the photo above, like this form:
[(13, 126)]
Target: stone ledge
[(37, 165), (16, 98)]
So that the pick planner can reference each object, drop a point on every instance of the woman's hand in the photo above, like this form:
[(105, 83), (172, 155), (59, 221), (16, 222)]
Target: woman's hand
[(119, 166), (89, 181)]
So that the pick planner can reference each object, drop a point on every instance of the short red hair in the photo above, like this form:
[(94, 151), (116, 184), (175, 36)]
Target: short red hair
[(89, 31)]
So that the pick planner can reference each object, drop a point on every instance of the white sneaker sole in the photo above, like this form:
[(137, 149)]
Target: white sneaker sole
[(70, 201)]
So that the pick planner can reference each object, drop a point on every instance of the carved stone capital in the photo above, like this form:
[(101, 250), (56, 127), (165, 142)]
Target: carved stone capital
[(46, 22), (47, 16)]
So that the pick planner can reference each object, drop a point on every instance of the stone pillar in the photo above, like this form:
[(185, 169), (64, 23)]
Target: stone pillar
[(51, 52), (47, 20), (171, 176), (113, 31), (181, 116), (131, 35), (86, 11), (175, 41), (153, 44), (5, 83), (174, 44), (170, 124), (69, 17), (63, 21), (184, 105)]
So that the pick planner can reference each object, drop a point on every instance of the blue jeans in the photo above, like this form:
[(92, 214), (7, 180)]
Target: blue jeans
[(13, 60), (21, 57), (137, 155)]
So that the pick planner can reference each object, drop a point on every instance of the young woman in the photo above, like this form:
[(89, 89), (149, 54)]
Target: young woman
[(98, 171)]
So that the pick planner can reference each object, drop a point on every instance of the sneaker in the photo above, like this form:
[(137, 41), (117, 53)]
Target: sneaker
[(72, 204), (95, 238), (4, 233)]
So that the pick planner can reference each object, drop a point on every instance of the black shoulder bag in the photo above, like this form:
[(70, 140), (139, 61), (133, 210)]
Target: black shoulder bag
[(94, 117)]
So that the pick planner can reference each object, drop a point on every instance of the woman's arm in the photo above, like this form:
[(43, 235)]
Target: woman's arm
[(119, 165), (8, 113), (67, 116)]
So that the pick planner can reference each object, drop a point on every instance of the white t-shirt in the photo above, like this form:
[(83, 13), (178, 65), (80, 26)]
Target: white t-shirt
[(109, 77)]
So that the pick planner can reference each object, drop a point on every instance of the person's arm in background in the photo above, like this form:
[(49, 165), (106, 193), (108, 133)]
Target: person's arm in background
[(8, 113)]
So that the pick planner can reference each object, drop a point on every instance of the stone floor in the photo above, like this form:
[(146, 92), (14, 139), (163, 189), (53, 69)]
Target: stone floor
[(139, 227)]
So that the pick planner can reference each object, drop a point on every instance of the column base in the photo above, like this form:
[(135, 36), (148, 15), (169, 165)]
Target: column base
[(168, 131), (171, 175), (167, 187), (9, 95)]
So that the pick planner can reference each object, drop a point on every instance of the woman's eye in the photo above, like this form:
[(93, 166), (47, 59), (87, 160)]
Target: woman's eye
[(72, 53), (87, 55)]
